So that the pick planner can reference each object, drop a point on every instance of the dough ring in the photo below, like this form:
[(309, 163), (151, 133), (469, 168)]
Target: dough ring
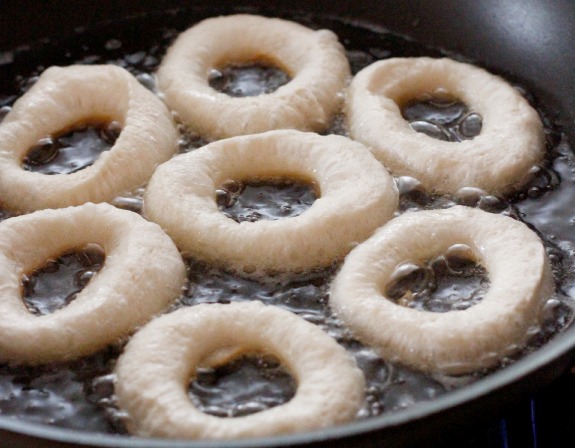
[(143, 273), (357, 195), (511, 140), (154, 372), (457, 341), (315, 60), (65, 97)]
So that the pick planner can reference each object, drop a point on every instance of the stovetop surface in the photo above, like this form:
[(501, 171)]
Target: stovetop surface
[(547, 420)]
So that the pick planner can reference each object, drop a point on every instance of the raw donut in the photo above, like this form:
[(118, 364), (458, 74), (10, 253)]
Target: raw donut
[(154, 372), (357, 195), (143, 273), (65, 97), (315, 60), (511, 140), (457, 341)]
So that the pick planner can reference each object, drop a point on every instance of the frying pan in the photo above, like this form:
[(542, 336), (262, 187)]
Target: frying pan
[(529, 41)]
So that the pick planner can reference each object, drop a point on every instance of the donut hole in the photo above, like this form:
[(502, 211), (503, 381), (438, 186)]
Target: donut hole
[(248, 79), (442, 117), (450, 282), (244, 386), (271, 199), (72, 149), (59, 280)]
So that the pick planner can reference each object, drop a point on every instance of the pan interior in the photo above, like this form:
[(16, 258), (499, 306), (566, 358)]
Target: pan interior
[(138, 44)]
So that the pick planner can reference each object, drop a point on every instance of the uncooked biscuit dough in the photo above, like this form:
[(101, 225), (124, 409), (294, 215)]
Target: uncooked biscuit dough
[(143, 273), (498, 160), (154, 372), (315, 60), (454, 342), (356, 196), (64, 97)]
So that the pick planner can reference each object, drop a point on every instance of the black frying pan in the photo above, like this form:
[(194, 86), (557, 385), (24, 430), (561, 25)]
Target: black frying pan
[(529, 41)]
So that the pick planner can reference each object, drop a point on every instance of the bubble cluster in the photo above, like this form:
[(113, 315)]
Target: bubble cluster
[(443, 119), (452, 281), (247, 80), (58, 282), (274, 199), (72, 151), (244, 386)]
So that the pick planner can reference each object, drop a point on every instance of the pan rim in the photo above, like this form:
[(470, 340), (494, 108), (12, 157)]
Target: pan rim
[(559, 351)]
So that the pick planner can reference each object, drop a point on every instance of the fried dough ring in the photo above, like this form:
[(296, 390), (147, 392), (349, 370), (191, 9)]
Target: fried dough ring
[(511, 140), (457, 341), (66, 97), (154, 372), (143, 273), (315, 60), (357, 195)]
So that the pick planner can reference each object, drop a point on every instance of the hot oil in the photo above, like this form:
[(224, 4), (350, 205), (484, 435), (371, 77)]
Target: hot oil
[(243, 386), (264, 199), (73, 150), (59, 281), (442, 119), (80, 394), (241, 80), (449, 282)]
